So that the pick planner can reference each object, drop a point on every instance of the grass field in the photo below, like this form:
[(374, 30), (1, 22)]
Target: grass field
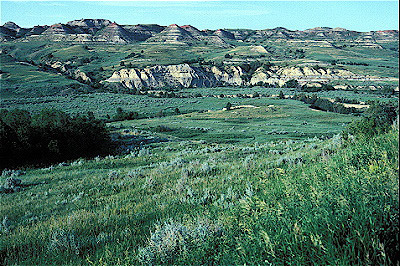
[(103, 104), (180, 203), (258, 121)]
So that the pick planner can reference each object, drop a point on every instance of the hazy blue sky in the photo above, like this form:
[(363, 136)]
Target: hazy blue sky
[(299, 15)]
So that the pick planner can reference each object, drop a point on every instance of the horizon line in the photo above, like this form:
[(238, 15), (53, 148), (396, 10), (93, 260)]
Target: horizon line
[(64, 23)]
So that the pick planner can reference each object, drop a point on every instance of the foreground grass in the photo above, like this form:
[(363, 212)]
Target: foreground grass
[(285, 202)]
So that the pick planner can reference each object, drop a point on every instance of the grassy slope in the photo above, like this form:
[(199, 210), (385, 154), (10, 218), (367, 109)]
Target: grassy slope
[(109, 56), (28, 80), (288, 202)]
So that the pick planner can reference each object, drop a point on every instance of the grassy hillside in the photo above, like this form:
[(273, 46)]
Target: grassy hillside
[(285, 202), (24, 79)]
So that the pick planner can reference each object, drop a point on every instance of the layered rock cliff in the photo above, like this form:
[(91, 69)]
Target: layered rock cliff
[(103, 30), (279, 75), (161, 76), (184, 75)]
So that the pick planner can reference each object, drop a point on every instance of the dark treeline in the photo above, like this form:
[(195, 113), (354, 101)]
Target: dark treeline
[(344, 100), (325, 104), (48, 137), (323, 87)]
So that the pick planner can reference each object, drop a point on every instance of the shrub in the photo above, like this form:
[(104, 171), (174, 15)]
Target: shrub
[(63, 241), (144, 152), (5, 225), (136, 173), (113, 175), (378, 119), (206, 168), (162, 128), (291, 84), (123, 115), (173, 240), (326, 105)]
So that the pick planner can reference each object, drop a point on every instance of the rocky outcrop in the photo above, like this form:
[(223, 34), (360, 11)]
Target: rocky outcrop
[(184, 75), (59, 29), (79, 75), (230, 75), (15, 30), (280, 75), (36, 30), (224, 34), (11, 25), (6, 34), (194, 31), (160, 76), (173, 34), (185, 35), (90, 26), (114, 33), (67, 70), (142, 32)]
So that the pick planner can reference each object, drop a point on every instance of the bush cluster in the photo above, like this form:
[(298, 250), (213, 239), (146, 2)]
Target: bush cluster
[(378, 119), (124, 115), (49, 136), (172, 241), (324, 87), (326, 105)]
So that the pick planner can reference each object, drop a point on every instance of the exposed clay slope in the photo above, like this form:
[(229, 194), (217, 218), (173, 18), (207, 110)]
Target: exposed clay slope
[(184, 75), (173, 34), (90, 26), (224, 34), (115, 33), (59, 28), (142, 32)]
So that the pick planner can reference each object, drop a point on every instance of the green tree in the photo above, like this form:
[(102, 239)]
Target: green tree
[(377, 119), (9, 144), (20, 122), (291, 84)]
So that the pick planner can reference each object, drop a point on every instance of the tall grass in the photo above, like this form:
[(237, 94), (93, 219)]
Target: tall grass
[(192, 204)]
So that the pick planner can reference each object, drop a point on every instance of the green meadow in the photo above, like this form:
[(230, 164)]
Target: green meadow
[(188, 203), (249, 121)]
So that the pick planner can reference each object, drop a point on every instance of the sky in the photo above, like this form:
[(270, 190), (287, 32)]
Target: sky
[(294, 15)]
